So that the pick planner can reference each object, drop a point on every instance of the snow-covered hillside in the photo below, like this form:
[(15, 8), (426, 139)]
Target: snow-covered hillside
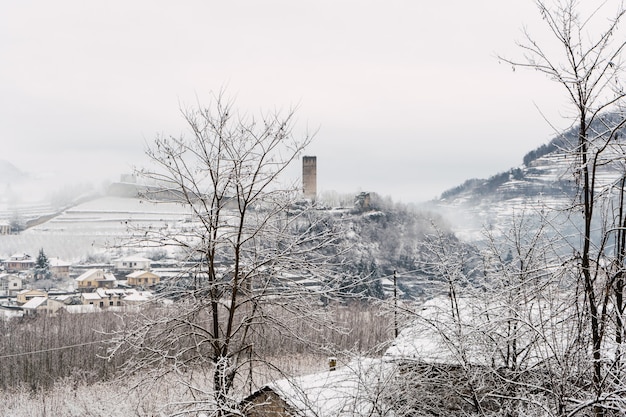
[(545, 185), (92, 227)]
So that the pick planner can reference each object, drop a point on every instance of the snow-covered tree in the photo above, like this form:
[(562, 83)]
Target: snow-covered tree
[(586, 60), (42, 266), (251, 256)]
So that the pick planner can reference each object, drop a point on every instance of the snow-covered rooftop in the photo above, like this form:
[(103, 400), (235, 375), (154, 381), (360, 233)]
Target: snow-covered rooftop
[(138, 274), (34, 302), (91, 296), (97, 274), (477, 331), (133, 258), (428, 339), (350, 390), (56, 262), (137, 296)]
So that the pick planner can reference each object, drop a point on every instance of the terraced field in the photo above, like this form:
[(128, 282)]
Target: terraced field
[(91, 228)]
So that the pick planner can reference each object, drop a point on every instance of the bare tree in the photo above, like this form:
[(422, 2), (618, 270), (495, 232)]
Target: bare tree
[(502, 335), (251, 251), (540, 332), (439, 354), (588, 64), (529, 321)]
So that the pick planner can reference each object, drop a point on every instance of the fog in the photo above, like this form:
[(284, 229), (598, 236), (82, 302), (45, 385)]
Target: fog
[(406, 99)]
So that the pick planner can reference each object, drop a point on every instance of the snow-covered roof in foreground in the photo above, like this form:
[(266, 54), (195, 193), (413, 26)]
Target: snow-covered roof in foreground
[(350, 390), (430, 338), (479, 332)]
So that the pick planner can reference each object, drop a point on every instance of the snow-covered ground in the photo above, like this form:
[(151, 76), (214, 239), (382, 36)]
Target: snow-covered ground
[(92, 227)]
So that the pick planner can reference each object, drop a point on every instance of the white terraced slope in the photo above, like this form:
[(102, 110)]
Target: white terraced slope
[(545, 186)]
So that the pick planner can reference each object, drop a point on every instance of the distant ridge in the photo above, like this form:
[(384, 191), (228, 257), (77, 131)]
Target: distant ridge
[(9, 173), (545, 180), (546, 169)]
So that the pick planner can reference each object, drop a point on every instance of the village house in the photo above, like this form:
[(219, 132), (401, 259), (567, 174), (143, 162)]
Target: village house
[(116, 297), (103, 297), (267, 403), (369, 386), (45, 305), (142, 278), (10, 284), (132, 263), (353, 389), (31, 306), (134, 297), (10, 311), (24, 296), (110, 297), (95, 278), (59, 269), (19, 262), (90, 298)]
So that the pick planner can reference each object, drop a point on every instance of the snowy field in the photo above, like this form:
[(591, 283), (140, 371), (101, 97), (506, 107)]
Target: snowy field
[(91, 228)]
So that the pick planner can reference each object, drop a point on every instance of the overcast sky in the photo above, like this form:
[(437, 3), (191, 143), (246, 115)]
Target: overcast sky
[(408, 97)]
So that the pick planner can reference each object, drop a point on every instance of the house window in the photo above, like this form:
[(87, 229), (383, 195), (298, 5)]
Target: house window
[(119, 303), (110, 303), (15, 284), (101, 303)]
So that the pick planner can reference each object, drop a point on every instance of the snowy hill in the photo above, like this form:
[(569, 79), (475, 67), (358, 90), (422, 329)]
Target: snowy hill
[(373, 242), (92, 227), (545, 183)]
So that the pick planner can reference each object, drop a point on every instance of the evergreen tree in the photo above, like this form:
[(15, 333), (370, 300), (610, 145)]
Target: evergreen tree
[(42, 266)]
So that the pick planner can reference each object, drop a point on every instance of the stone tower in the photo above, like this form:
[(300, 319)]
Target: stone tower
[(309, 177)]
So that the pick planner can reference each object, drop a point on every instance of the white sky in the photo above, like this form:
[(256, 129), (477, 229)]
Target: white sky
[(408, 96)]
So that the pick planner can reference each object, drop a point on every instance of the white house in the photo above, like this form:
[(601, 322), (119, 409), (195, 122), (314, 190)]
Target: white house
[(59, 268), (133, 263), (116, 297), (33, 305), (10, 284), (42, 305)]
